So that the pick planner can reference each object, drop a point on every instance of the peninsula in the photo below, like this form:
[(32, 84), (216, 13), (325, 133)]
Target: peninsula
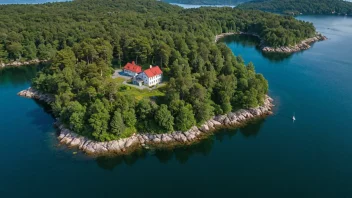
[(127, 145), (302, 45), (201, 79)]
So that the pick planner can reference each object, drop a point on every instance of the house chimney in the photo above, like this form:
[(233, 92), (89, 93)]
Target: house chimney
[(150, 66)]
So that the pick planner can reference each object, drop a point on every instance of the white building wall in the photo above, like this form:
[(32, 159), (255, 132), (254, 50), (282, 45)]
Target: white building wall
[(151, 81)]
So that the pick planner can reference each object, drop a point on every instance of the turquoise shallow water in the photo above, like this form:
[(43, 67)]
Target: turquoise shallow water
[(269, 158)]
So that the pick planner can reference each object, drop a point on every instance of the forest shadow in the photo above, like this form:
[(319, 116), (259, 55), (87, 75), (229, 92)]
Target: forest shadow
[(252, 41), (43, 120), (182, 153), (19, 75)]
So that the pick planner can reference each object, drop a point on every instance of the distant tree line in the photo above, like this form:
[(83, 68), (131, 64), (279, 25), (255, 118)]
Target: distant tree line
[(135, 29), (81, 38), (301, 6), (207, 2)]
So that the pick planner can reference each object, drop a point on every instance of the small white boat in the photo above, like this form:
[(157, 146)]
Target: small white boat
[(293, 117)]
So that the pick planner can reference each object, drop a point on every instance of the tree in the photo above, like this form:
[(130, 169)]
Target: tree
[(164, 53), (129, 118), (30, 51), (117, 125), (46, 52), (15, 50), (185, 118), (143, 109), (164, 118), (3, 54), (98, 120), (76, 119)]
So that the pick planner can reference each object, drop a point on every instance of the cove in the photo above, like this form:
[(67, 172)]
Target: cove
[(272, 157)]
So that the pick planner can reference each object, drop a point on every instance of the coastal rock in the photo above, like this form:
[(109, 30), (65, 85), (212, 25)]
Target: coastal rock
[(215, 123), (75, 141), (32, 93), (130, 141), (156, 140), (227, 121), (21, 63), (166, 138), (113, 146), (220, 118), (210, 125), (204, 128), (303, 45)]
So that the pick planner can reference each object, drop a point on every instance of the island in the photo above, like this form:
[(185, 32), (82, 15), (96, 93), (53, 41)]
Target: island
[(297, 7), (129, 73), (207, 2)]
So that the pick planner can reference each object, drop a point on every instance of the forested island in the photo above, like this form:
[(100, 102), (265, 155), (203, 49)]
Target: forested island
[(83, 38), (207, 2), (295, 7)]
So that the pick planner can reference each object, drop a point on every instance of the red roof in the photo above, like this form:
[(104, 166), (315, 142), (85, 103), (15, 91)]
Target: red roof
[(133, 67), (151, 72)]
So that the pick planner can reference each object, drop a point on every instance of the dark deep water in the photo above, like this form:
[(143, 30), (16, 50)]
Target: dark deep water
[(269, 158)]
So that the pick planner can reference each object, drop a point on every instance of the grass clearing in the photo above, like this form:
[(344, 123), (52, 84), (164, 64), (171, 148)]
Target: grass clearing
[(140, 94), (119, 80)]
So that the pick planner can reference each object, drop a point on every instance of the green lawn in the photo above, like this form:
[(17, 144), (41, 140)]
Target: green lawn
[(140, 94), (119, 80)]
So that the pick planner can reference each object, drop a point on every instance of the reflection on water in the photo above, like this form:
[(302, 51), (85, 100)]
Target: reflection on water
[(252, 41), (17, 76), (183, 153)]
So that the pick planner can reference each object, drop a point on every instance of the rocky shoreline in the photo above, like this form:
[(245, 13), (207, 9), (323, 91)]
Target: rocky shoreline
[(32, 93), (127, 145), (303, 45), (19, 63)]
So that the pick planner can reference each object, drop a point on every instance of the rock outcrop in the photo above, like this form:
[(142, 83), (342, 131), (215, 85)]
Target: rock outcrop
[(35, 94), (19, 63), (303, 45)]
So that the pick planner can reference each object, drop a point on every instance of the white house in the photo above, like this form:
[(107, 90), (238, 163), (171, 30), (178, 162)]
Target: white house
[(132, 69), (151, 76)]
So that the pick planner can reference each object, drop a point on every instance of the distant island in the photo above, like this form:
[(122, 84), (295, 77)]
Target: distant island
[(207, 2), (295, 7), (204, 86)]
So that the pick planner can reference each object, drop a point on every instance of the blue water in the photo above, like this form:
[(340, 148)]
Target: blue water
[(29, 1), (269, 158)]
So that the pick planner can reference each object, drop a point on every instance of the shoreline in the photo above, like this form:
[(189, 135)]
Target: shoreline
[(303, 45), (144, 140), (20, 63)]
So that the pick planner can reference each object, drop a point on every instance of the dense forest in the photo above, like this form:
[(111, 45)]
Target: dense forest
[(301, 6), (82, 38), (207, 2)]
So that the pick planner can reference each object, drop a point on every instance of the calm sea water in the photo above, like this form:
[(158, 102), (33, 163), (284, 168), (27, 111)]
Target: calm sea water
[(269, 158), (29, 1)]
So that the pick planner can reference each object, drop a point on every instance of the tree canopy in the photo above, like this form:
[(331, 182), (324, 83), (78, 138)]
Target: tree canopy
[(83, 37), (207, 2), (146, 30)]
